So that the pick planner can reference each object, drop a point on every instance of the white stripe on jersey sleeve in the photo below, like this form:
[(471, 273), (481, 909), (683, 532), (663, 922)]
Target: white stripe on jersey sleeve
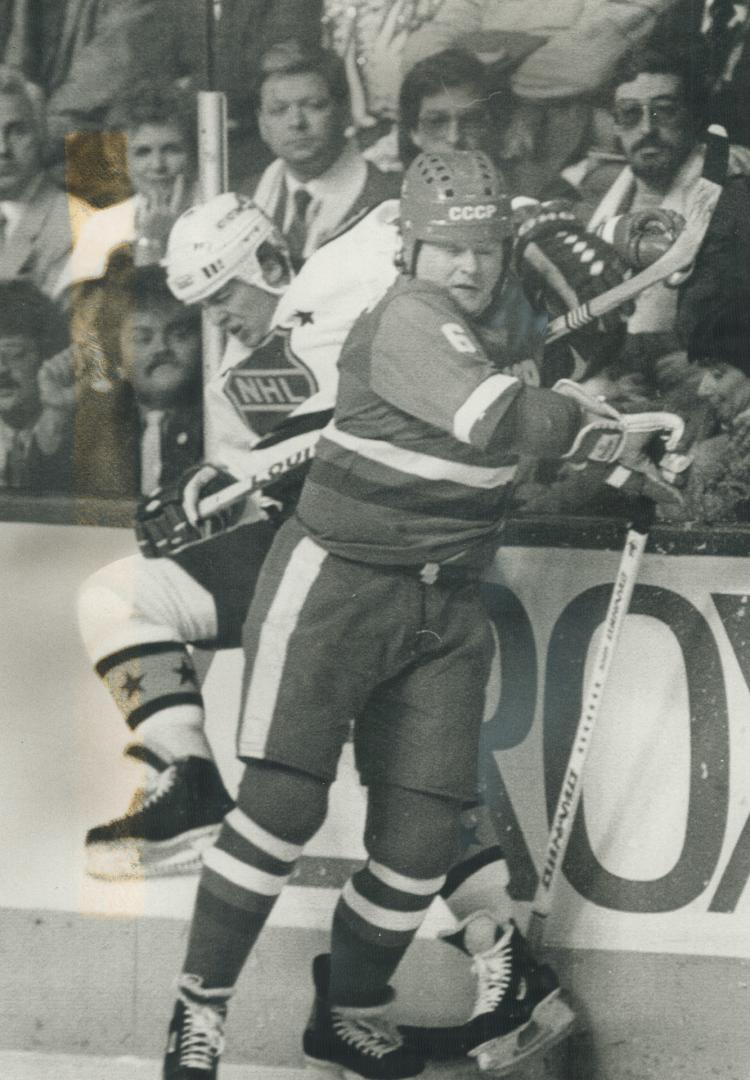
[(425, 466), (478, 402)]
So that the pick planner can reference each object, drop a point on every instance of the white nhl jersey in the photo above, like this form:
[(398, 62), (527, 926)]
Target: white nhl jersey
[(293, 371)]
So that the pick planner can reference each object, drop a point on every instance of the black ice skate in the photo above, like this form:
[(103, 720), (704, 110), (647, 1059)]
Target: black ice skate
[(196, 1032), (169, 823), (357, 1042), (518, 1012)]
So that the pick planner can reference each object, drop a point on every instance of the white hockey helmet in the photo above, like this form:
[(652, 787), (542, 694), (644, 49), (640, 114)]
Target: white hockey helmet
[(224, 238)]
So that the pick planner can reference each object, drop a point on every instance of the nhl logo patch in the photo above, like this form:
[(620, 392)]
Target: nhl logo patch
[(269, 383)]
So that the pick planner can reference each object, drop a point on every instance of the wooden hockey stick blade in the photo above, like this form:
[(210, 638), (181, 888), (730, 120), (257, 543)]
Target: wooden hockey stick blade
[(702, 202), (572, 785)]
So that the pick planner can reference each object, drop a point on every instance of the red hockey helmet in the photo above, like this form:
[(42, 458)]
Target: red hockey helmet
[(453, 197)]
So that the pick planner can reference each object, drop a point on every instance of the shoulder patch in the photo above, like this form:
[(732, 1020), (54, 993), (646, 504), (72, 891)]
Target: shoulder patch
[(270, 383)]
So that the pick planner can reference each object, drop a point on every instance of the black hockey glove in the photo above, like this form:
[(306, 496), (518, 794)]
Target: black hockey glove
[(161, 525), (562, 266)]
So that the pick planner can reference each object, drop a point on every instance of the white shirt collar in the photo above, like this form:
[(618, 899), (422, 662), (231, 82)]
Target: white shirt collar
[(333, 193), (14, 209)]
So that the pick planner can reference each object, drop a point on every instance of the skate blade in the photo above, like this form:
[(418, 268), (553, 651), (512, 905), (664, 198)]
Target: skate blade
[(166, 858), (551, 1021)]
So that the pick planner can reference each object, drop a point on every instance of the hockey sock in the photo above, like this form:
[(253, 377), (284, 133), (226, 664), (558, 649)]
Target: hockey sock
[(278, 811), (155, 687), (411, 838)]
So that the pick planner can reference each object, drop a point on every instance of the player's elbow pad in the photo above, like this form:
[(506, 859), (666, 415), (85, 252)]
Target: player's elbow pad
[(544, 424)]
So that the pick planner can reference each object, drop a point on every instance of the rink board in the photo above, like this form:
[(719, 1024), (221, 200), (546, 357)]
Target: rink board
[(655, 890)]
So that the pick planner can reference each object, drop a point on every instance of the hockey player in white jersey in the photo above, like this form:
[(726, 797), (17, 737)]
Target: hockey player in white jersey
[(139, 615)]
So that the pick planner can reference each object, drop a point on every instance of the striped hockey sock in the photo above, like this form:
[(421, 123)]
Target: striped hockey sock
[(376, 918), (242, 877)]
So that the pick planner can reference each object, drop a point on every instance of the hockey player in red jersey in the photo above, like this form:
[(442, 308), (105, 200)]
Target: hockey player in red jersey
[(368, 607)]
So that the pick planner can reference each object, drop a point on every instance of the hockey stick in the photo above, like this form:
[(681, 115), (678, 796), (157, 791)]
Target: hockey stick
[(571, 790), (702, 203), (269, 463)]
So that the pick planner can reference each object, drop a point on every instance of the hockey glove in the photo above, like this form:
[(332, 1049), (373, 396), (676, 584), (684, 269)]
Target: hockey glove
[(162, 525), (642, 237), (562, 266), (640, 446)]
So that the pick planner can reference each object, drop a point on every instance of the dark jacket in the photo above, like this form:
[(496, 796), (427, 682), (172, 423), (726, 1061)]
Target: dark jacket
[(106, 442)]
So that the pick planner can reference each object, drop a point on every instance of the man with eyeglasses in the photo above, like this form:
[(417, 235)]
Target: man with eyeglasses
[(658, 116), (444, 102)]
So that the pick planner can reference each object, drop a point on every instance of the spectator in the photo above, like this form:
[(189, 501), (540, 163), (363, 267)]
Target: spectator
[(370, 38), (718, 484), (174, 43), (159, 128), (715, 36), (657, 110), (558, 55), (80, 52), (143, 428), (318, 178), (444, 101), (38, 221), (31, 331)]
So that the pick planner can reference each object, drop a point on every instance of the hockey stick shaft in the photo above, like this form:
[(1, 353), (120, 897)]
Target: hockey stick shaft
[(269, 464), (571, 790)]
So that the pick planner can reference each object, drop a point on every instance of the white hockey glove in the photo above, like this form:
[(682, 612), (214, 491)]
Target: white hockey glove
[(642, 237), (636, 449), (167, 521)]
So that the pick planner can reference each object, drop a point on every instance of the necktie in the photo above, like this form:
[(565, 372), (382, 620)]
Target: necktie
[(296, 234), (151, 452), (16, 462)]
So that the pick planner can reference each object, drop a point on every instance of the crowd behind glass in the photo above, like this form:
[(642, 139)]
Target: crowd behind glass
[(597, 102)]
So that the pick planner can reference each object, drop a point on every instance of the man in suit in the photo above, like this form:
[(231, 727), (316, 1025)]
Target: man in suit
[(142, 426), (38, 221), (318, 179)]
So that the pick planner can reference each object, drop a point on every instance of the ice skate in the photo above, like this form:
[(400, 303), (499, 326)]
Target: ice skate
[(356, 1042), (519, 1011), (169, 823), (196, 1032)]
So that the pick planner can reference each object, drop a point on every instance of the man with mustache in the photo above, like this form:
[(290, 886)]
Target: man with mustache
[(31, 331), (658, 117), (138, 422)]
